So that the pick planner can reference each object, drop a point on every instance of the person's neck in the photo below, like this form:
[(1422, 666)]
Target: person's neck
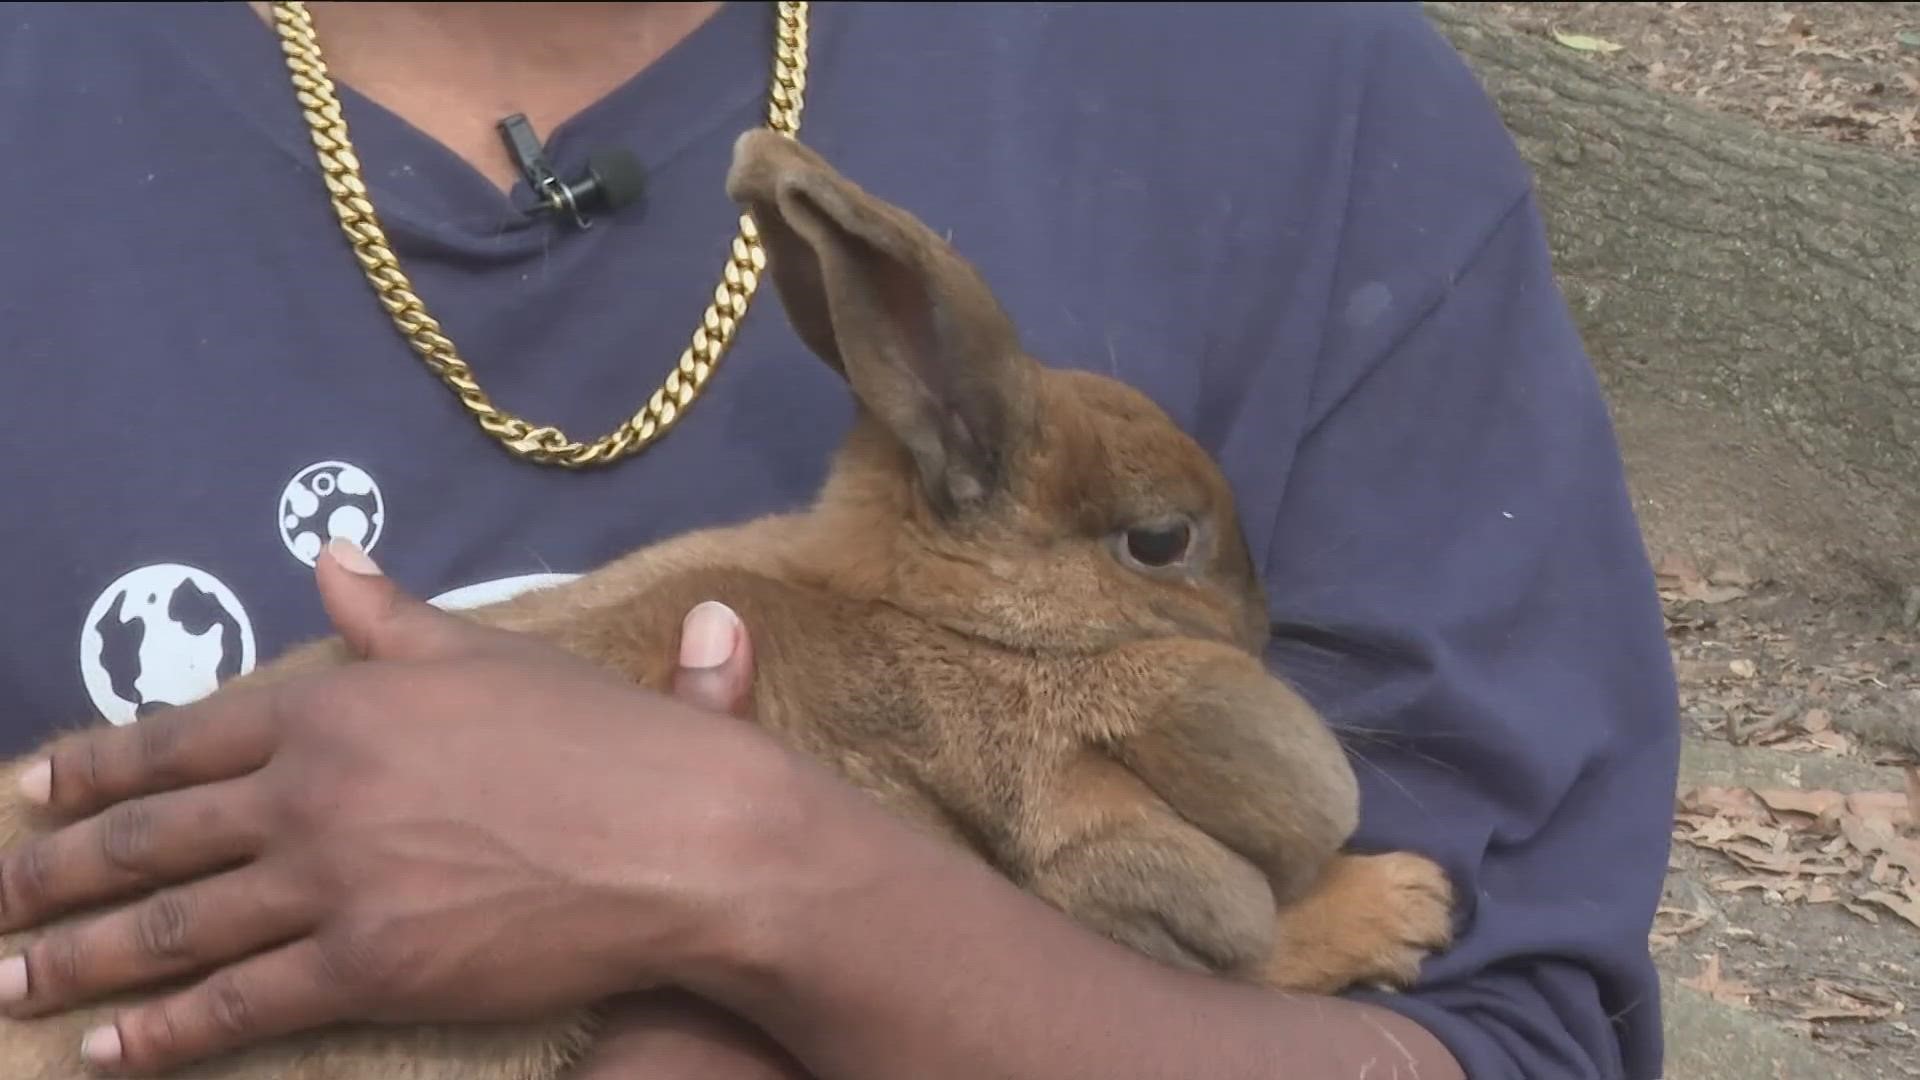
[(454, 69)]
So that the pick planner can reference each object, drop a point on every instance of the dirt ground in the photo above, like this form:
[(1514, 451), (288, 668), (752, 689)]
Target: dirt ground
[(1794, 884), (1846, 72)]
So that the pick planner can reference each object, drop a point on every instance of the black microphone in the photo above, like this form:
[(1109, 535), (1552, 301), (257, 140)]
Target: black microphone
[(614, 178)]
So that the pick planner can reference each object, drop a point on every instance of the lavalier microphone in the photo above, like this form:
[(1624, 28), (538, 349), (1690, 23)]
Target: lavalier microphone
[(613, 178)]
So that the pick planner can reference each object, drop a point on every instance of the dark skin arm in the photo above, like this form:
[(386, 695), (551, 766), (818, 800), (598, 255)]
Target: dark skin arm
[(672, 1035), (741, 873), (906, 961)]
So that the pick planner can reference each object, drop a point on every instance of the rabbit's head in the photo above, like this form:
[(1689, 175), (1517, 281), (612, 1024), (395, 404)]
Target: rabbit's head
[(1046, 509)]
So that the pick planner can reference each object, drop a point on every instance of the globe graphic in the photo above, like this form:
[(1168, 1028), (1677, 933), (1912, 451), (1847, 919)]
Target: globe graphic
[(162, 636)]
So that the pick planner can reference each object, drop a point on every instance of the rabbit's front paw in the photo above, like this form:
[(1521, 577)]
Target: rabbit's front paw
[(1370, 921), (1415, 915)]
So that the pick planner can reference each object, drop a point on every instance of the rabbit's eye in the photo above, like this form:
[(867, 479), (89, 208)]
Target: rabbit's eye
[(1159, 545)]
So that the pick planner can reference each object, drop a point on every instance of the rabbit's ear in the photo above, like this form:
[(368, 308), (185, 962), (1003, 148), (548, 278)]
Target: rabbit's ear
[(882, 299)]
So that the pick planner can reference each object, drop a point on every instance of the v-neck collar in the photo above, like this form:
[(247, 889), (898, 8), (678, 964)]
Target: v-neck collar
[(425, 193)]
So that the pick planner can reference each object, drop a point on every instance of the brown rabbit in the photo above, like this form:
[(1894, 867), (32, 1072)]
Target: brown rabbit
[(1020, 613)]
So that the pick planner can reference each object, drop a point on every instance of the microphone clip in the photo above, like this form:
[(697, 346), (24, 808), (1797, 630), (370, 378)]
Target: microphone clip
[(613, 177)]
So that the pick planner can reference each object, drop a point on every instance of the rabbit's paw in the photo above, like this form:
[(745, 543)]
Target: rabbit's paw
[(1370, 921), (1415, 913)]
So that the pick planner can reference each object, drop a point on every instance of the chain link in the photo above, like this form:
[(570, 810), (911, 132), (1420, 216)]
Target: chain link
[(740, 278)]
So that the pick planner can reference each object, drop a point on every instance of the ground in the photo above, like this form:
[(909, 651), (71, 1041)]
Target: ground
[(1794, 888), (1793, 902), (1846, 72)]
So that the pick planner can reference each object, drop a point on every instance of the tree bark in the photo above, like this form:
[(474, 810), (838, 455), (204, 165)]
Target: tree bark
[(1752, 303)]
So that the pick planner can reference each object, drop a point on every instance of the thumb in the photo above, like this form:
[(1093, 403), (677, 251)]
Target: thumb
[(378, 619), (716, 661)]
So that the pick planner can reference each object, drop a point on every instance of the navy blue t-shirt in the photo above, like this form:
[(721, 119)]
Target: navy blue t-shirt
[(1302, 229)]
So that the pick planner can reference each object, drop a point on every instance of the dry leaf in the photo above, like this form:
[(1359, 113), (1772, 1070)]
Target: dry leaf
[(1842, 1009), (1888, 806), (1866, 913), (1865, 995), (1904, 854), (1680, 923), (1722, 802), (1723, 990), (1730, 575), (1848, 1004), (1832, 742), (1816, 720), (1816, 804), (1584, 43), (1906, 907), (1743, 884), (1712, 594), (1743, 668), (1673, 567), (1868, 835)]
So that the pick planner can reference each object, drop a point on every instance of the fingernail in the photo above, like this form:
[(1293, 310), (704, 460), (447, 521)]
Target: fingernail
[(13, 979), (102, 1046), (348, 554), (709, 635), (37, 783)]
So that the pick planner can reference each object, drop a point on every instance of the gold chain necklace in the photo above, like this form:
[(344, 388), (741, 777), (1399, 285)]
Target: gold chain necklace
[(543, 445)]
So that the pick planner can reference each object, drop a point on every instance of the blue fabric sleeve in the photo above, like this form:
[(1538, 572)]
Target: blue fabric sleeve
[(1459, 582)]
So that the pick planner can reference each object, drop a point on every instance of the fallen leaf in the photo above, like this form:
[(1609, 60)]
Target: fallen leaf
[(1862, 994), (1726, 991), (1840, 1012), (1888, 806), (1743, 884), (1906, 907), (1832, 742), (1730, 575), (1721, 802), (1791, 864), (1816, 720), (1817, 804), (1713, 594), (1909, 38), (1868, 835), (1913, 796), (1680, 922), (1584, 43), (1844, 1010), (1866, 913), (1676, 568), (1904, 854), (1743, 668)]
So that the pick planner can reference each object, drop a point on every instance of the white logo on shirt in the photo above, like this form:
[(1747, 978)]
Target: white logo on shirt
[(162, 635), (330, 499), (169, 634), (493, 592)]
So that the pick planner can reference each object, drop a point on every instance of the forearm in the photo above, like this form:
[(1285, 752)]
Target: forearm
[(668, 1035), (915, 961)]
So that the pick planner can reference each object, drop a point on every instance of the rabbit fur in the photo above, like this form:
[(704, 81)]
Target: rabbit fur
[(1019, 613)]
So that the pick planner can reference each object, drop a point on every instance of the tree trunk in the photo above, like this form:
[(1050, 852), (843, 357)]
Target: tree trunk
[(1752, 302)]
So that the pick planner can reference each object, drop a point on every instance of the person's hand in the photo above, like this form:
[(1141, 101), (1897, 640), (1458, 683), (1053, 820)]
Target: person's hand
[(466, 825), (669, 1034)]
